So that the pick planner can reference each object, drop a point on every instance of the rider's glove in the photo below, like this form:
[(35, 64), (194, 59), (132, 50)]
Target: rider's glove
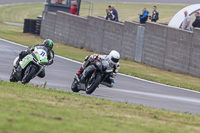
[(50, 62), (29, 50), (113, 75)]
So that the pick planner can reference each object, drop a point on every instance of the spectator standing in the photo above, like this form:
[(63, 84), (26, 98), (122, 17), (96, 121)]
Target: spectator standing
[(115, 13), (109, 16), (155, 15), (109, 7), (186, 22), (144, 16), (196, 23), (73, 9)]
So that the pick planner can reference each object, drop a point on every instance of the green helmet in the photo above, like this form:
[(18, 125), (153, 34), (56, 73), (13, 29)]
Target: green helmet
[(48, 43)]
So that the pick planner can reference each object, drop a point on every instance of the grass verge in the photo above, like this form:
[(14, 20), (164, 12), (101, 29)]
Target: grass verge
[(14, 33), (26, 109)]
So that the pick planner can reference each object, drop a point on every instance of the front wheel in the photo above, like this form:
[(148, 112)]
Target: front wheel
[(29, 75), (12, 78), (93, 82), (74, 86)]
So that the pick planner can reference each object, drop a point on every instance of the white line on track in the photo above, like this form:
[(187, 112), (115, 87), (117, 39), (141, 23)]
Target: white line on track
[(118, 73), (184, 99), (5, 50)]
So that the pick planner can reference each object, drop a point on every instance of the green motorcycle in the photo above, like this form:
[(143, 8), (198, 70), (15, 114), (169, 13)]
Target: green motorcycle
[(30, 66)]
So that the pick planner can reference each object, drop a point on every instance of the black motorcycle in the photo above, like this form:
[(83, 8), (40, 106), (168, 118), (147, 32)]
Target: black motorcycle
[(97, 72)]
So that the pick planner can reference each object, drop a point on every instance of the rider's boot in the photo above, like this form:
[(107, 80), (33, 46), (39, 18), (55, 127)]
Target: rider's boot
[(80, 71), (77, 76), (112, 81)]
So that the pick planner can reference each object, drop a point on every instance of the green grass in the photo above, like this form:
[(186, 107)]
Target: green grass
[(26, 109), (18, 12), (14, 33)]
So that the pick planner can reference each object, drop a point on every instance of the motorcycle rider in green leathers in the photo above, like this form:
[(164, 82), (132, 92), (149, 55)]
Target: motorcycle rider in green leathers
[(48, 46)]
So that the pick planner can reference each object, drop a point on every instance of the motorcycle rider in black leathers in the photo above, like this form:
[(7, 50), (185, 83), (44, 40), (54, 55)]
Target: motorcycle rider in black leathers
[(113, 60), (47, 45)]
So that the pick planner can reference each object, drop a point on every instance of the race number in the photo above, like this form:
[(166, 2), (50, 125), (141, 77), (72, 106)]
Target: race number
[(43, 53)]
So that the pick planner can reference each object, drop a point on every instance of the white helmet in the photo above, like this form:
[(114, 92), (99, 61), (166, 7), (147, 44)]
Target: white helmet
[(113, 57)]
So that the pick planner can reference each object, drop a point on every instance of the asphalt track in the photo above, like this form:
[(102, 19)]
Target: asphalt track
[(127, 89)]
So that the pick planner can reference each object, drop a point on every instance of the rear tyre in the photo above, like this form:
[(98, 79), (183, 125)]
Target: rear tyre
[(74, 86), (29, 75), (93, 84)]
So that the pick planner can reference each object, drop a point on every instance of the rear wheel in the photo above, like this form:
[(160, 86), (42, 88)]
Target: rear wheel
[(29, 75), (74, 86), (93, 83)]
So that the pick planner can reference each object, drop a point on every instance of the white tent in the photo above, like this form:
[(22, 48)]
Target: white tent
[(178, 18)]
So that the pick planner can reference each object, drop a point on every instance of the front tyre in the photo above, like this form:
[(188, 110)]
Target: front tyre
[(93, 83), (12, 78), (74, 86), (29, 75)]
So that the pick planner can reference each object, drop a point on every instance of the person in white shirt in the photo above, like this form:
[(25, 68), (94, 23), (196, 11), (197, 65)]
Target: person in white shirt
[(186, 22)]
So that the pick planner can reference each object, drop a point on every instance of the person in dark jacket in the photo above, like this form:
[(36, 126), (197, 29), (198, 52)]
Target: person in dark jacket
[(109, 16), (73, 9), (115, 13), (196, 23), (155, 15), (144, 16)]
